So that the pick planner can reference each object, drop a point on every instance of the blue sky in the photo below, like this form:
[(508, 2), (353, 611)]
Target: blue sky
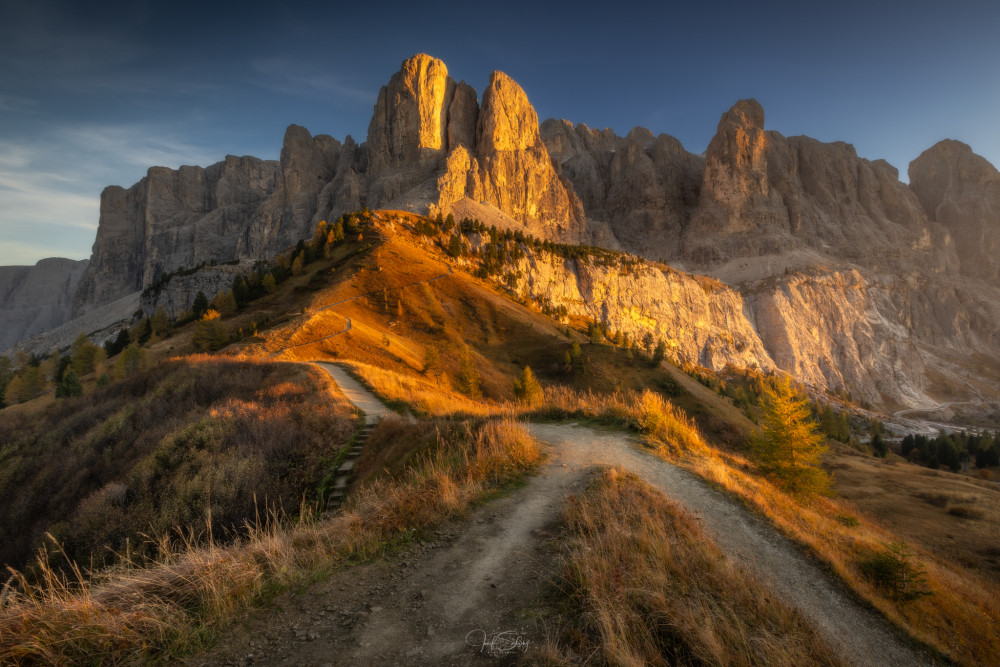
[(94, 95)]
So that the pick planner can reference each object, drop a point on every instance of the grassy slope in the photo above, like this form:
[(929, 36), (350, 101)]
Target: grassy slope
[(457, 309), (188, 439), (394, 323)]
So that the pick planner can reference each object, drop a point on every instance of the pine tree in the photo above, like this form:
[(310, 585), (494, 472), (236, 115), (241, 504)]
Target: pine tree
[(527, 389), (199, 306), (69, 386), (455, 246), (268, 283), (659, 353), (879, 447), (788, 445), (160, 322), (132, 360)]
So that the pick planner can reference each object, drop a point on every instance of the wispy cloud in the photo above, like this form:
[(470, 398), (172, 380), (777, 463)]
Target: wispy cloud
[(139, 146), (16, 103), (291, 76), (50, 184)]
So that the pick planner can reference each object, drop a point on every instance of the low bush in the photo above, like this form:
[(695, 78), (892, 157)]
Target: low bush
[(893, 572)]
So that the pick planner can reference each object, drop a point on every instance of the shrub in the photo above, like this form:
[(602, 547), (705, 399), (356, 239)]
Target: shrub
[(892, 572)]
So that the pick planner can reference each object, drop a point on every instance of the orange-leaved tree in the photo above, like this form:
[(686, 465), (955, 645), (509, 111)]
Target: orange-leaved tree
[(788, 445)]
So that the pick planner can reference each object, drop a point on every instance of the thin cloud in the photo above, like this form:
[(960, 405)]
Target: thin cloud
[(50, 185), (286, 75), (16, 103), (140, 146)]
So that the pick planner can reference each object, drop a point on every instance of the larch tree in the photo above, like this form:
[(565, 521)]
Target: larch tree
[(788, 445)]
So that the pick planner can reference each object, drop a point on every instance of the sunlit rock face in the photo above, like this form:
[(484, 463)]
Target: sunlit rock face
[(961, 191), (407, 136), (845, 275), (511, 169)]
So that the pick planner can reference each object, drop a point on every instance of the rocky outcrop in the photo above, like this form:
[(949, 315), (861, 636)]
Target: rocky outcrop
[(34, 299), (431, 146), (241, 208), (701, 320), (408, 133), (644, 188), (511, 169), (961, 191)]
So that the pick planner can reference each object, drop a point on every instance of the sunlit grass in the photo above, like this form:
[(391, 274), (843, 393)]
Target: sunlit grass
[(644, 585)]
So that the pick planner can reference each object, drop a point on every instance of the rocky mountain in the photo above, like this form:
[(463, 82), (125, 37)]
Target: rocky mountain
[(827, 265), (34, 299), (961, 191), (430, 145)]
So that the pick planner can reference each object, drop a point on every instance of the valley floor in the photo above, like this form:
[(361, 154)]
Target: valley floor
[(474, 590)]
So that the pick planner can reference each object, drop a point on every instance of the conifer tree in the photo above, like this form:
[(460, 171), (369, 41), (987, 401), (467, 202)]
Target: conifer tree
[(788, 445), (160, 322), (468, 376), (69, 386), (527, 389)]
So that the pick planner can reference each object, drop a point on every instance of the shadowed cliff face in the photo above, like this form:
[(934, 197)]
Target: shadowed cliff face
[(36, 298), (961, 191), (846, 276)]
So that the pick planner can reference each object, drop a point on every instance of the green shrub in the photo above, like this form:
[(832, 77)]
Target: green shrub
[(891, 571)]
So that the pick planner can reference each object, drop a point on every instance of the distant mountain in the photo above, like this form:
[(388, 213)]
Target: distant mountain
[(34, 299), (848, 277)]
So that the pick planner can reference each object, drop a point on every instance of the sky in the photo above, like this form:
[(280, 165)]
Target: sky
[(93, 94)]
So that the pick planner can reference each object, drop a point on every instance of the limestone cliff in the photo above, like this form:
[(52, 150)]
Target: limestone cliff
[(34, 299), (701, 320), (511, 169), (644, 188), (844, 275), (241, 208), (961, 190)]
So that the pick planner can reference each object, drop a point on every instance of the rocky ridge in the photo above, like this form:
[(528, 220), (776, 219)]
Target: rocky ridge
[(35, 299), (830, 267)]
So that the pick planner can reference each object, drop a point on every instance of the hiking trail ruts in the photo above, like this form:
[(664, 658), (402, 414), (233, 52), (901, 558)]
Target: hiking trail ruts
[(455, 599)]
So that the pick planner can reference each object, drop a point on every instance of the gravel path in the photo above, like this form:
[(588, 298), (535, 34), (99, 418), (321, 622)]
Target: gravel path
[(460, 599), (355, 392), (859, 635)]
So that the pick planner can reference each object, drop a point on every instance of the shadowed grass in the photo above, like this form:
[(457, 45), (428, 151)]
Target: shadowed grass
[(131, 614)]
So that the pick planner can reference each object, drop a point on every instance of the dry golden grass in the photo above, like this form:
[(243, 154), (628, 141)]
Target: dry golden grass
[(644, 585), (917, 504), (961, 616), (129, 615)]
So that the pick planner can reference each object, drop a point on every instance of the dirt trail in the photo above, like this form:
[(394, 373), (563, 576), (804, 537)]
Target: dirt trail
[(461, 598)]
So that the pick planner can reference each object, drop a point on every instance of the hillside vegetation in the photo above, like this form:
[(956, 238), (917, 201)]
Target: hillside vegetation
[(196, 444), (202, 441)]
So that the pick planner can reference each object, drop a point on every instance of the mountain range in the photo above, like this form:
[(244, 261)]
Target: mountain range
[(769, 251)]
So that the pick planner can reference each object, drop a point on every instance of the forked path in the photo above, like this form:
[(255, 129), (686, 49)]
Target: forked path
[(438, 604)]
